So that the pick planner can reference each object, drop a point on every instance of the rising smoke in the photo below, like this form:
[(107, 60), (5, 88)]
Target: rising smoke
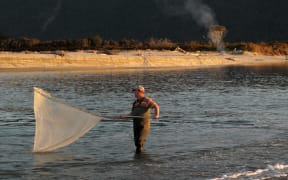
[(52, 15), (216, 34), (201, 13)]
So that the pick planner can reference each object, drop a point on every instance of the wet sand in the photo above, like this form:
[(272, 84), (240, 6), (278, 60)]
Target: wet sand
[(128, 60)]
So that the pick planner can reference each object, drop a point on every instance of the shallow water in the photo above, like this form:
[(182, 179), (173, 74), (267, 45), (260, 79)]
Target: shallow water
[(215, 123)]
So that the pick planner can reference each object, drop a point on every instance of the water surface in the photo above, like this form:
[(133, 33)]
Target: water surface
[(215, 123)]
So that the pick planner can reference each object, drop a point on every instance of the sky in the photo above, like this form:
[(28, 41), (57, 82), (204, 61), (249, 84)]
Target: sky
[(177, 20)]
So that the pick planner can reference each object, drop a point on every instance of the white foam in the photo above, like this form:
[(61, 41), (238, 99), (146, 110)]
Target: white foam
[(278, 170)]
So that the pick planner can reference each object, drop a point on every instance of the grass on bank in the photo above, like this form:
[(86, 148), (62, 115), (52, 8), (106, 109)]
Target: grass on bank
[(97, 43)]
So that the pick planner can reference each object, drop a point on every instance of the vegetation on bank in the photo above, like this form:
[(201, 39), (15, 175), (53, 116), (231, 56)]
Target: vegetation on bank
[(97, 43)]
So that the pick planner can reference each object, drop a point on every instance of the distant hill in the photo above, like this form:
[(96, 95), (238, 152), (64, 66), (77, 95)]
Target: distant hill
[(246, 20)]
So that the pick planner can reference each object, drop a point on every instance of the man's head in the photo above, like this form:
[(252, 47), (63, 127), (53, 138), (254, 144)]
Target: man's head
[(139, 91)]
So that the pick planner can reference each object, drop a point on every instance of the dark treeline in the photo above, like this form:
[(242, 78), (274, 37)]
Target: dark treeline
[(97, 43)]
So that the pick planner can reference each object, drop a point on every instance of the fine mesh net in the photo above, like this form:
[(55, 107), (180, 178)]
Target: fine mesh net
[(57, 123)]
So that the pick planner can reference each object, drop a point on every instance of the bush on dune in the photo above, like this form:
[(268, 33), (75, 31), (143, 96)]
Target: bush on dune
[(98, 43)]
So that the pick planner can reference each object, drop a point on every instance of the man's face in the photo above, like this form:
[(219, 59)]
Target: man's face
[(138, 94)]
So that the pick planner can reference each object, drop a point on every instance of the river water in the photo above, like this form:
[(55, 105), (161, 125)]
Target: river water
[(218, 123)]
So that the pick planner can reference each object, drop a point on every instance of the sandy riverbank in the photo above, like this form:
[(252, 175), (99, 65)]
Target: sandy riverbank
[(129, 59)]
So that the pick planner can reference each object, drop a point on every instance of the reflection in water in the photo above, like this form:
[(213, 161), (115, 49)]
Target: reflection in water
[(253, 75), (42, 159), (142, 156)]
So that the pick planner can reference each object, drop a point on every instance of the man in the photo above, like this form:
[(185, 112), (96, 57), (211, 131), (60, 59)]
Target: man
[(141, 116)]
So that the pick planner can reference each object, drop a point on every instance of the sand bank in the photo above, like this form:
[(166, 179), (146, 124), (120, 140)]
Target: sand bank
[(130, 59)]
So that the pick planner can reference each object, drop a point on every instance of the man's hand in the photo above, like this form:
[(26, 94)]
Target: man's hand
[(156, 116), (122, 116)]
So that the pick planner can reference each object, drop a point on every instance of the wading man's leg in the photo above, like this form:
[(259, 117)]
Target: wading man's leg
[(141, 131)]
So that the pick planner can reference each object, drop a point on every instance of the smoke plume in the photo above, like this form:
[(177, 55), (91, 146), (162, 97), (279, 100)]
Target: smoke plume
[(201, 13), (52, 16)]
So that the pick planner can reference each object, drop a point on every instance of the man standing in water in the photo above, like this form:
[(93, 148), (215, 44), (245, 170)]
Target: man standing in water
[(141, 116)]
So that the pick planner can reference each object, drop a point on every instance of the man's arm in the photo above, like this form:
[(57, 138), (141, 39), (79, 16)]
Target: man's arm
[(156, 109)]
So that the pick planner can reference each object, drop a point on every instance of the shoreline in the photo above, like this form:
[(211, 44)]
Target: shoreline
[(129, 60)]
